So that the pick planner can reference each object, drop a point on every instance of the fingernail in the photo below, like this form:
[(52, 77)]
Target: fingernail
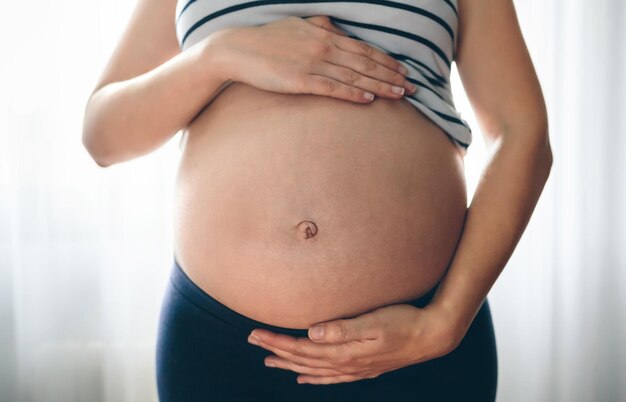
[(398, 90), (253, 340), (317, 332), (368, 95), (402, 69), (270, 364)]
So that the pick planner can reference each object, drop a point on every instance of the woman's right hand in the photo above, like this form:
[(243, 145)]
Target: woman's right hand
[(308, 55)]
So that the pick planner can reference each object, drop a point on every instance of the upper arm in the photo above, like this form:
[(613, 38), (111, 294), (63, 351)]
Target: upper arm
[(148, 41), (496, 70)]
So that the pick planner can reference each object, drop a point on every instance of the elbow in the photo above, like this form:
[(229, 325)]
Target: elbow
[(533, 137), (549, 158), (92, 139), (92, 142), (97, 156), (101, 162), (540, 142), (536, 142), (532, 140)]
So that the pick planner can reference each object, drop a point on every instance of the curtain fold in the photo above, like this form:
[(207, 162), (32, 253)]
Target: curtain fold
[(85, 252)]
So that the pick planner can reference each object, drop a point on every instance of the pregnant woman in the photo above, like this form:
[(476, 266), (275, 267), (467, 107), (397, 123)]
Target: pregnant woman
[(322, 182)]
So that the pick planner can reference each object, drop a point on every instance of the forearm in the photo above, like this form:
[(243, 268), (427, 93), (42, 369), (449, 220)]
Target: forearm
[(129, 118), (507, 193)]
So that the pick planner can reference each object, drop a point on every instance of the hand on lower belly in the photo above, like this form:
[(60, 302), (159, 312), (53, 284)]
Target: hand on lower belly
[(381, 340)]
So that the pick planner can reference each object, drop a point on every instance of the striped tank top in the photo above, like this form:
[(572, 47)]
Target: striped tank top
[(420, 34)]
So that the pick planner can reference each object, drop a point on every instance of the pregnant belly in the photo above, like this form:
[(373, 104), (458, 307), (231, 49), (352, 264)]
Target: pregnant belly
[(296, 209)]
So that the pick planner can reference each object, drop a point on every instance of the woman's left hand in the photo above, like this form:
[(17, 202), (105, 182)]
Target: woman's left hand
[(381, 340)]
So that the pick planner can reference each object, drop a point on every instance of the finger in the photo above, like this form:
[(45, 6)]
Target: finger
[(344, 362), (358, 80), (305, 379), (368, 67), (364, 327), (300, 346), (305, 361), (304, 347), (365, 49), (323, 85), (276, 362)]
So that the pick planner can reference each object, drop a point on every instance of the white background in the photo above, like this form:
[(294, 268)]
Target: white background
[(85, 251)]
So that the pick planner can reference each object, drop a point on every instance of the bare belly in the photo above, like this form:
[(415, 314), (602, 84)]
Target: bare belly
[(296, 209)]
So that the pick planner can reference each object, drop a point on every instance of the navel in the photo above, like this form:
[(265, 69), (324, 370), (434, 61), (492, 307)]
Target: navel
[(306, 229)]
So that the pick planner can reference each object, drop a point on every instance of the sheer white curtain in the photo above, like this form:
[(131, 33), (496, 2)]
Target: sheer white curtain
[(85, 251)]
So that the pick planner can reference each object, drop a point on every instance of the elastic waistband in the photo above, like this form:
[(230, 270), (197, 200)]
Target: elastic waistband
[(203, 300)]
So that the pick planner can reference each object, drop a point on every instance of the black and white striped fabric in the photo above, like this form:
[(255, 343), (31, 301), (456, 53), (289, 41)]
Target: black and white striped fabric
[(421, 34)]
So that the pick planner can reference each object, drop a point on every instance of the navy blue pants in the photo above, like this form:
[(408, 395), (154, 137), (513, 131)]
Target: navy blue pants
[(203, 355)]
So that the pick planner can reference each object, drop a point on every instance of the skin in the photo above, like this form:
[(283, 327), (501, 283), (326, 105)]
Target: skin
[(512, 117), (391, 246)]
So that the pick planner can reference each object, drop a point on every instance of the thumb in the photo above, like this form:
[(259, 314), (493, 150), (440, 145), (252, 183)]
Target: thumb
[(344, 330)]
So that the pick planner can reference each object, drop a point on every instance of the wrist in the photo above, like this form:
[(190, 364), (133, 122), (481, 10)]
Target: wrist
[(450, 323), (215, 52)]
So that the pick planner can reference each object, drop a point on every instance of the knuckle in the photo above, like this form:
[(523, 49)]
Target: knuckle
[(324, 18), (344, 360), (398, 79), (366, 64), (380, 87), (357, 95), (350, 76), (341, 331), (345, 370), (319, 18), (320, 49), (299, 363), (324, 33), (329, 86), (292, 20), (311, 60), (322, 86), (296, 349), (364, 48)]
